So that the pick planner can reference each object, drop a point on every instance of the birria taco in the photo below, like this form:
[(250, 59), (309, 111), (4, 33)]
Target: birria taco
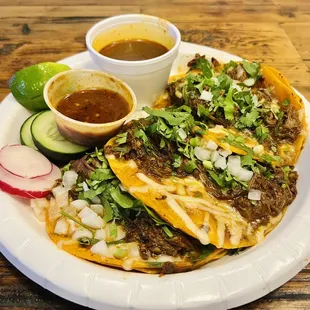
[(92, 217), (218, 162)]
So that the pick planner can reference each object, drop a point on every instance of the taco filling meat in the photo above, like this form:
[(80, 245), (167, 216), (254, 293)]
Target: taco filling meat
[(221, 154), (91, 216)]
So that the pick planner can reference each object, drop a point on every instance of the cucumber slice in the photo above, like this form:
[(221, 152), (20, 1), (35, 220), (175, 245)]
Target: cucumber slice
[(51, 143), (25, 135)]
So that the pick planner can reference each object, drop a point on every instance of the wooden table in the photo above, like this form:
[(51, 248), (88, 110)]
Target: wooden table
[(274, 31)]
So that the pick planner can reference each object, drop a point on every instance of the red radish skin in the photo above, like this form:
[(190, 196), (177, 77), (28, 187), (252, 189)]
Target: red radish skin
[(25, 162), (28, 188)]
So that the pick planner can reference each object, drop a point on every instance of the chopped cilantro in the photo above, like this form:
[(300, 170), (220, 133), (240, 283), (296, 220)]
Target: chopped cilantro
[(217, 178), (177, 161), (194, 141), (173, 118), (204, 65), (224, 81), (123, 200), (261, 133), (247, 160), (229, 106), (121, 138), (285, 102), (252, 68), (190, 166), (202, 111)]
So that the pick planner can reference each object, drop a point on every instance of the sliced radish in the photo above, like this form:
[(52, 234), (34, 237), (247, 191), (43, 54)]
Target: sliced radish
[(28, 188), (24, 161)]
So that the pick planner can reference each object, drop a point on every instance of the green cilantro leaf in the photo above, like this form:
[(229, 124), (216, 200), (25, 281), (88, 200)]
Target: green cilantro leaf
[(122, 199), (229, 106), (252, 68), (121, 138), (261, 133), (204, 65), (173, 118), (285, 102), (177, 161), (190, 166)]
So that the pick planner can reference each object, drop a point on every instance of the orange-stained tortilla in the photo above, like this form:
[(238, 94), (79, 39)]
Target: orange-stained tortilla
[(289, 152), (221, 232), (137, 264)]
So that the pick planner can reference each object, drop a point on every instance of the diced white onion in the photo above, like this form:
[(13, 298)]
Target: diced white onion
[(79, 204), (93, 221), (258, 149), (211, 145), (244, 175), (121, 234), (82, 233), (85, 212), (61, 227), (96, 200), (69, 179), (42, 203), (102, 249), (206, 95), (57, 189), (220, 163), (39, 212), (240, 71), (72, 226), (133, 250), (254, 194), (234, 85), (249, 82), (235, 169), (100, 234), (234, 160), (97, 208), (70, 210), (182, 134), (215, 80), (164, 258), (54, 210), (214, 156), (62, 198), (224, 153), (201, 153), (85, 186)]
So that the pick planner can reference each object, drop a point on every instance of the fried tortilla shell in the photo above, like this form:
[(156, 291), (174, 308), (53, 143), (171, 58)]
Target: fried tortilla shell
[(287, 152), (153, 267), (187, 206)]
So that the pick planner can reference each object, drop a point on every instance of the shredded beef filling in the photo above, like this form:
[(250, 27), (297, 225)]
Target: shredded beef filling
[(153, 241), (158, 164), (274, 197)]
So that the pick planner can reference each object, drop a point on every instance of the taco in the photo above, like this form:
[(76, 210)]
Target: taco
[(92, 217), (243, 99), (227, 199)]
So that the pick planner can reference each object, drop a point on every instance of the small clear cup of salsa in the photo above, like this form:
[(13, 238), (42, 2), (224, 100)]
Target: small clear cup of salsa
[(89, 106)]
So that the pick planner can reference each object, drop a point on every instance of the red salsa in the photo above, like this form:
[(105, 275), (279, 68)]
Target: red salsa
[(94, 106)]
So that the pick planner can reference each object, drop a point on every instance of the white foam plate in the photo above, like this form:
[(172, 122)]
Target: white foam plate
[(226, 283)]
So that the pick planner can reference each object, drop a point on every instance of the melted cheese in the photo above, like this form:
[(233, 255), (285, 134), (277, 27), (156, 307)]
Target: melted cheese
[(177, 209)]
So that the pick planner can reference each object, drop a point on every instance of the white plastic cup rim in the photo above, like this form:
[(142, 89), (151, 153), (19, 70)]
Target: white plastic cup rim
[(126, 18)]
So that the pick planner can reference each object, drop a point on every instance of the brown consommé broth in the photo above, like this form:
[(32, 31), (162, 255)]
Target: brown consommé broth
[(134, 49), (94, 106)]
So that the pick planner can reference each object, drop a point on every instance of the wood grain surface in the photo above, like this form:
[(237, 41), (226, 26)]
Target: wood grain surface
[(273, 31)]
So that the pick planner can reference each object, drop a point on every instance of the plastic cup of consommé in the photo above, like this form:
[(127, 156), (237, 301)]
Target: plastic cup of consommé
[(86, 106), (147, 77)]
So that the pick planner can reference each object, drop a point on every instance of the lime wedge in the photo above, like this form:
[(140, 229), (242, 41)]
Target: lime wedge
[(27, 84)]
